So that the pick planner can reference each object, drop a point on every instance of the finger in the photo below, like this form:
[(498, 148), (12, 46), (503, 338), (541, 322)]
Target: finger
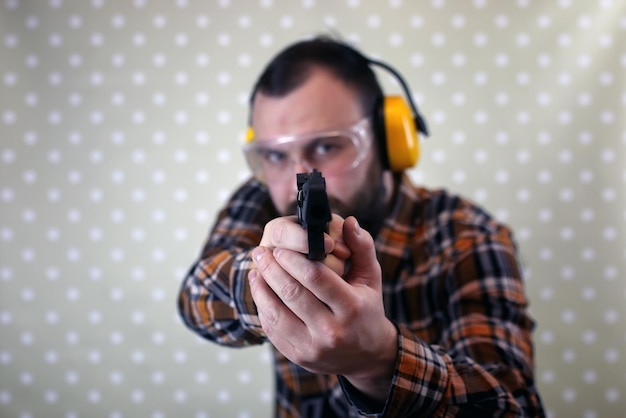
[(276, 319), (335, 230), (286, 232), (364, 264), (336, 264), (327, 287), (291, 293)]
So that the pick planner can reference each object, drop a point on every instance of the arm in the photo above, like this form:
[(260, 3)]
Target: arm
[(214, 299), (481, 362), (471, 357)]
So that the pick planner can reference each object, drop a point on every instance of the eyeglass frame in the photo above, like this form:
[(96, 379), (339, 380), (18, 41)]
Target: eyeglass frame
[(360, 133)]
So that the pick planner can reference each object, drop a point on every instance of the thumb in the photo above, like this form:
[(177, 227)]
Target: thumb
[(364, 267)]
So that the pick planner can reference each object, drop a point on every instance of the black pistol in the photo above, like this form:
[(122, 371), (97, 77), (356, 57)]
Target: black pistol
[(313, 211)]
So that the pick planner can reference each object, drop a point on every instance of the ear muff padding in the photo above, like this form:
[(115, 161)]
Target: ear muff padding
[(400, 141)]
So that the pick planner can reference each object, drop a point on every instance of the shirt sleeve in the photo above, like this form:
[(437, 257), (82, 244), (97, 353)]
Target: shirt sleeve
[(215, 300), (481, 363)]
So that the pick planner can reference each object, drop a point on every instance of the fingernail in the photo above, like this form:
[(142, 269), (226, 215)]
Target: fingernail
[(257, 253), (277, 252), (357, 228), (253, 275)]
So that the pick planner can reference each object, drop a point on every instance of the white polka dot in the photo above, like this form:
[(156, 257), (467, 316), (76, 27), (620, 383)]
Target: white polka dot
[(545, 253), (523, 195), (181, 40), (51, 396), (610, 272), (158, 338), (201, 377), (137, 396), (158, 377), (116, 377), (502, 176), (438, 78), (569, 395), (611, 316), (547, 376), (568, 316), (480, 39), (589, 337), (588, 293), (72, 377), (612, 395), (416, 21), (523, 39), (458, 176)]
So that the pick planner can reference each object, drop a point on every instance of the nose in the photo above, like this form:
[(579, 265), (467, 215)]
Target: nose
[(299, 167)]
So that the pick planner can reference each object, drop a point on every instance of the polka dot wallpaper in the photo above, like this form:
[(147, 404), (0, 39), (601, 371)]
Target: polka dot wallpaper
[(121, 126)]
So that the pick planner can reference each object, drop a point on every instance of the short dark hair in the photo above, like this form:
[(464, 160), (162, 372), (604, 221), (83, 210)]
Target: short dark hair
[(294, 64)]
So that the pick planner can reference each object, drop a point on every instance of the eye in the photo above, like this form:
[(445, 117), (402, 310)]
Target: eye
[(273, 157), (327, 146)]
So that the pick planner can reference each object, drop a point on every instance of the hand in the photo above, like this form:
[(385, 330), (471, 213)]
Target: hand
[(322, 321), (287, 233)]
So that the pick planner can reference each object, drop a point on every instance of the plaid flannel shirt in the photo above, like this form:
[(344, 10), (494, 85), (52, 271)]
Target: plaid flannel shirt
[(451, 285)]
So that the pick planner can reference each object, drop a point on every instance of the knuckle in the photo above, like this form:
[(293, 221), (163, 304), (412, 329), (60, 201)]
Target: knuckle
[(351, 311), (262, 264), (272, 233), (290, 291), (278, 231), (313, 273), (268, 318), (310, 356), (330, 336), (268, 330)]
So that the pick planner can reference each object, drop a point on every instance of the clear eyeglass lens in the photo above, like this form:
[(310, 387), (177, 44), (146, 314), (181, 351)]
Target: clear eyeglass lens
[(329, 154)]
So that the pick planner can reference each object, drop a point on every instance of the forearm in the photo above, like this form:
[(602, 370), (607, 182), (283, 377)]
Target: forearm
[(437, 382), (215, 302), (214, 299), (429, 381), (480, 364)]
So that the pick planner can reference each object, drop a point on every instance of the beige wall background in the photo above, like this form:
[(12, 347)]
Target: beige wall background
[(121, 125)]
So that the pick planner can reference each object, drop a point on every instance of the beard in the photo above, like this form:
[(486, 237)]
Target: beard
[(368, 205)]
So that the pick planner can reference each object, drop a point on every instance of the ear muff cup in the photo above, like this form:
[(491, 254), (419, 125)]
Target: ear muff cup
[(396, 130), (249, 134)]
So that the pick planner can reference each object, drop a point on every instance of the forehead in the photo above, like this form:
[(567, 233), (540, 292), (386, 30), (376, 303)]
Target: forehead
[(322, 102)]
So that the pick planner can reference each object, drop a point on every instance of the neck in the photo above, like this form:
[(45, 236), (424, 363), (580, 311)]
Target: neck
[(373, 220)]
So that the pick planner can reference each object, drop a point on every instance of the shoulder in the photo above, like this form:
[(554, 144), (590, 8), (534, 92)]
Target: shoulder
[(442, 206), (439, 205), (446, 217), (251, 197)]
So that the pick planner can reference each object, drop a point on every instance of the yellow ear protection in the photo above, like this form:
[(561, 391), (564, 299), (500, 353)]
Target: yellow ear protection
[(249, 134), (397, 126)]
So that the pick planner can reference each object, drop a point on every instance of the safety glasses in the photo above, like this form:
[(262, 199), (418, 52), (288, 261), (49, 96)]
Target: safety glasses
[(331, 152)]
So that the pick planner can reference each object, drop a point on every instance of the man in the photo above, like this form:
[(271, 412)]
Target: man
[(418, 308)]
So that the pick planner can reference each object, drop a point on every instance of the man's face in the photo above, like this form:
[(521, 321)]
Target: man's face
[(322, 103)]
